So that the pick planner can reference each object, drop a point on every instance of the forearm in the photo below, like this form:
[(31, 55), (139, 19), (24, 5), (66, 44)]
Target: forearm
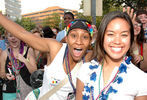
[(29, 66), (22, 34), (2, 74), (11, 27)]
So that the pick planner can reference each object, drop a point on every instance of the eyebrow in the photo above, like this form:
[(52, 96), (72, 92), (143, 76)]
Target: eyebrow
[(114, 32)]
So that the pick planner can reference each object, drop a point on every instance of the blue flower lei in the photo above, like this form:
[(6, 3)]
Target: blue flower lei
[(89, 89)]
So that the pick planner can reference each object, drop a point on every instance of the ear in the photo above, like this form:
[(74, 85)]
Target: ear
[(66, 39)]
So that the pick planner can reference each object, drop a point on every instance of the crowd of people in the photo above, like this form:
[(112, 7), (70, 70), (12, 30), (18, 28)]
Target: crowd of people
[(82, 62)]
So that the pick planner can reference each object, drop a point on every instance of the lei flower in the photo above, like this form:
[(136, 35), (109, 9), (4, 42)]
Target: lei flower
[(89, 87)]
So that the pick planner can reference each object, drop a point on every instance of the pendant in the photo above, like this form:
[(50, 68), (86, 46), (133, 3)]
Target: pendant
[(71, 96), (4, 87)]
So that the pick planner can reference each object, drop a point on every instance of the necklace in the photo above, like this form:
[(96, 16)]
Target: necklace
[(89, 87), (68, 69), (100, 75), (16, 65), (109, 88)]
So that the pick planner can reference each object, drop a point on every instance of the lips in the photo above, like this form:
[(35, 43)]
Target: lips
[(116, 49), (77, 52)]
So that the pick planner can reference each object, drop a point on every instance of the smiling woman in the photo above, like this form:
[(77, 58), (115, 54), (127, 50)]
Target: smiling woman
[(110, 75)]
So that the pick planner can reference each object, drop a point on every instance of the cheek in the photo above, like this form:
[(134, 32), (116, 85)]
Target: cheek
[(127, 42), (108, 39)]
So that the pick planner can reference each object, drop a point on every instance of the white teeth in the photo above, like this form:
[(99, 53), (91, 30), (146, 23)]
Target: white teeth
[(116, 49), (78, 49)]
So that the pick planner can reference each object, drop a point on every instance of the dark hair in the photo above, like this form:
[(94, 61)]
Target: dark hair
[(69, 13), (47, 32), (140, 37), (98, 51), (139, 12)]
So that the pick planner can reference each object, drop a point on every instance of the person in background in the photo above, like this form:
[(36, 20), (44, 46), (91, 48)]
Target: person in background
[(142, 15), (48, 33), (2, 48), (110, 75), (55, 30), (17, 64), (138, 49), (95, 32), (68, 17), (1, 81), (41, 58)]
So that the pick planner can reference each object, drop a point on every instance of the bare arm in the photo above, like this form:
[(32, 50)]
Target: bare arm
[(2, 64), (143, 64), (29, 61), (141, 98), (38, 43), (79, 89), (32, 61)]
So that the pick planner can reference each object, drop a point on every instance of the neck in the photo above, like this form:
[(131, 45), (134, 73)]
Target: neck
[(15, 49), (72, 63), (135, 38), (111, 63)]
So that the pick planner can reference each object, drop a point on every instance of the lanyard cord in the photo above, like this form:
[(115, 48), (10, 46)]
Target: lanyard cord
[(68, 69), (107, 85)]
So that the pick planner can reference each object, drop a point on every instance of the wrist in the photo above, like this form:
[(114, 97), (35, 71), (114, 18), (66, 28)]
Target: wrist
[(141, 57)]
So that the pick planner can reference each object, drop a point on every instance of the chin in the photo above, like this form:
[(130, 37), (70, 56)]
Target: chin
[(77, 59)]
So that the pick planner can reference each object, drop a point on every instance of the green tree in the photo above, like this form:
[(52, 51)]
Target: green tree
[(52, 20), (136, 4), (26, 23)]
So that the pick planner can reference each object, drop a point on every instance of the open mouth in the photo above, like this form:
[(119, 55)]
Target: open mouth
[(77, 51)]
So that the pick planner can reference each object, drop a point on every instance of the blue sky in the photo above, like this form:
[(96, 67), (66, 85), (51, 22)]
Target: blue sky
[(36, 5)]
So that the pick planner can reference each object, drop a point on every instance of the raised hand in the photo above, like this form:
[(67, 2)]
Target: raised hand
[(130, 13)]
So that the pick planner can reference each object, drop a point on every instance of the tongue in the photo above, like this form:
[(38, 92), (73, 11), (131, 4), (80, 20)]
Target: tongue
[(77, 53)]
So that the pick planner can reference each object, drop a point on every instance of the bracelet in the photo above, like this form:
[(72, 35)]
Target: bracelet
[(141, 57)]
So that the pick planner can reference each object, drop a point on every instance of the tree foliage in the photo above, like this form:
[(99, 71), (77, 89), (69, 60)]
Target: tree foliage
[(112, 5), (52, 20), (26, 23)]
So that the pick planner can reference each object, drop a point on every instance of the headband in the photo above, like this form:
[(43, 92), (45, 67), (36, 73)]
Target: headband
[(82, 24)]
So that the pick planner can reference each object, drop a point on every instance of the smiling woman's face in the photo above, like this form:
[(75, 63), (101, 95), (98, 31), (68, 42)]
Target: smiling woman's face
[(13, 41), (117, 39)]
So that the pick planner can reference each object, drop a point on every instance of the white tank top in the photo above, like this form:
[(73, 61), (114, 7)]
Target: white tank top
[(53, 74)]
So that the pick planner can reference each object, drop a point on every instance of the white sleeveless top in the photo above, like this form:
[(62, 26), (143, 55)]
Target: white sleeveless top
[(53, 74)]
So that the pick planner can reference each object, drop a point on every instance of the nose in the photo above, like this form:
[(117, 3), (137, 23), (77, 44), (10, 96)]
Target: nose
[(79, 40), (117, 39)]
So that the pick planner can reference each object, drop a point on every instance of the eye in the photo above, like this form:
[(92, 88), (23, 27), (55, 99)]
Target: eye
[(124, 34), (110, 34), (73, 35), (85, 37)]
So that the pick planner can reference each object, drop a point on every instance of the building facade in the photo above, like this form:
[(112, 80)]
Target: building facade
[(11, 8), (39, 16)]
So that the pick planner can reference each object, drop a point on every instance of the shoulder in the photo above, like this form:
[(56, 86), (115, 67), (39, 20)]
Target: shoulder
[(144, 45), (86, 69), (61, 32), (4, 53), (136, 74), (88, 55)]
